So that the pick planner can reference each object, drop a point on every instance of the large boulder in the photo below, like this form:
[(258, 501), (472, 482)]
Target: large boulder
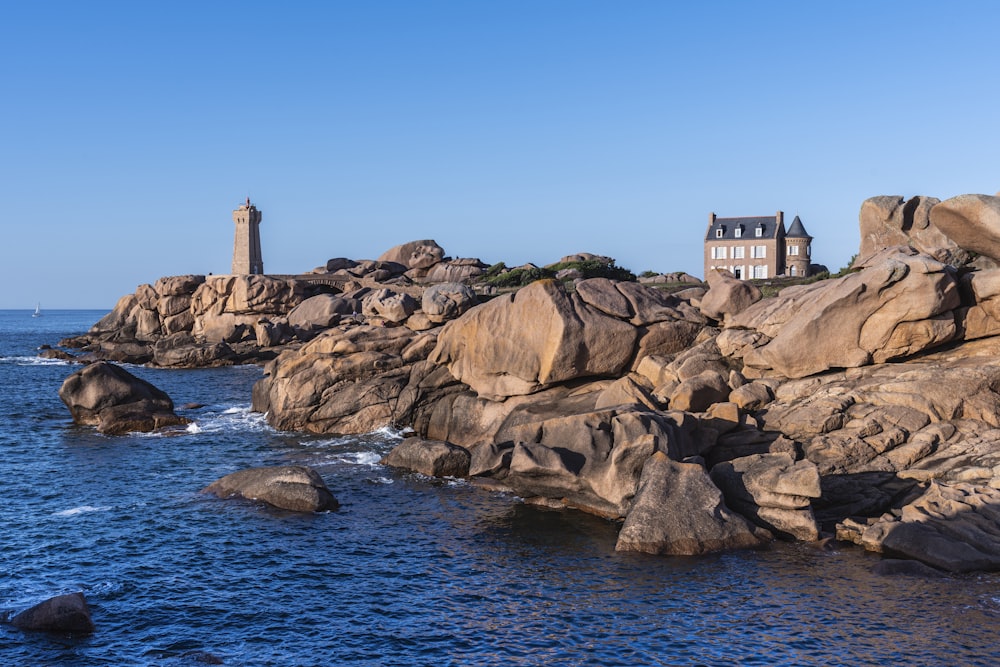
[(726, 295), (115, 401), (455, 270), (322, 312), (972, 222), (429, 457), (415, 254), (899, 304), (63, 614), (678, 511), (388, 305), (294, 488), (446, 301), (520, 343)]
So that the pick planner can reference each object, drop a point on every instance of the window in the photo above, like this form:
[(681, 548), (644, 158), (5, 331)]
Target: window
[(738, 252), (793, 250), (760, 271), (738, 231), (760, 231), (718, 253), (758, 251), (719, 232), (808, 250)]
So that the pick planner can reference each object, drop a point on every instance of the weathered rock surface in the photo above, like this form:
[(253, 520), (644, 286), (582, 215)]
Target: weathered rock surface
[(899, 304), (415, 254), (430, 457), (774, 490), (64, 614), (953, 527), (115, 401), (726, 295), (890, 221), (446, 301), (678, 511), (294, 488), (351, 380), (972, 222)]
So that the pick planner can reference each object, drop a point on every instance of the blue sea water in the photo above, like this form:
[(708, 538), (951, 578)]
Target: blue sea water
[(410, 570)]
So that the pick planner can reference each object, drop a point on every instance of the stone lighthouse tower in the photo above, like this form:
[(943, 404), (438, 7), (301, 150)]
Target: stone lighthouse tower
[(246, 246)]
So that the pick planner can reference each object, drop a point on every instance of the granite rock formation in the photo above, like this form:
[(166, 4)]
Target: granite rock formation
[(115, 401)]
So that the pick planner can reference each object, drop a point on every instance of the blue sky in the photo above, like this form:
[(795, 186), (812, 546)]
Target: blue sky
[(509, 131)]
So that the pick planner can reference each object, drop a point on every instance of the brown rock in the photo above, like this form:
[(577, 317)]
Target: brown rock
[(518, 344), (446, 301), (678, 511), (415, 254), (972, 222), (726, 295), (294, 488), (430, 457), (114, 400), (898, 305)]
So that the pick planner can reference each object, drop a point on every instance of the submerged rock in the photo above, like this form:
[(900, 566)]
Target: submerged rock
[(63, 614), (294, 488)]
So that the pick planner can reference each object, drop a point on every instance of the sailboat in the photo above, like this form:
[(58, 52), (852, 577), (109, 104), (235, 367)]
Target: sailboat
[(38, 310)]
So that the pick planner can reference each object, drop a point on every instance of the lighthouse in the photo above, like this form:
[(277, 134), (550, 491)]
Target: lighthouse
[(246, 245)]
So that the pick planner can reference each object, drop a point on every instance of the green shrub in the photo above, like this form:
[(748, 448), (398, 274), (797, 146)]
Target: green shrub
[(519, 277), (593, 268)]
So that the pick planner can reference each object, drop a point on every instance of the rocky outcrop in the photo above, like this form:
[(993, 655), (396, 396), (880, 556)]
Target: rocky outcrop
[(293, 488), (951, 527), (678, 511), (63, 614), (889, 221), (972, 222), (705, 420), (351, 379), (899, 304), (116, 402), (519, 344)]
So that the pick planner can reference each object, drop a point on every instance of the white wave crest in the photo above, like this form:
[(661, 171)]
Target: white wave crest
[(34, 361), (235, 418), (82, 509), (368, 459)]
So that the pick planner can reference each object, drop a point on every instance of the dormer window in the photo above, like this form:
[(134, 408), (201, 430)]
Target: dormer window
[(719, 232), (738, 231), (760, 231)]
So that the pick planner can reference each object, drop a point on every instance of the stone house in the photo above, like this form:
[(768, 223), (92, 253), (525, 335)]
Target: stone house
[(757, 247)]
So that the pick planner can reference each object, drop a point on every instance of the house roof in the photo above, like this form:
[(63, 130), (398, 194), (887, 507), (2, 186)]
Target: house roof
[(797, 230), (749, 228)]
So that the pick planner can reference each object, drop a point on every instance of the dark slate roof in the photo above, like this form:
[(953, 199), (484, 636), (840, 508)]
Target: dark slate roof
[(797, 230), (729, 225)]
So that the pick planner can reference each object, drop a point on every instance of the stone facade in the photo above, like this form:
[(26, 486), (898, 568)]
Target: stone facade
[(757, 247), (247, 257)]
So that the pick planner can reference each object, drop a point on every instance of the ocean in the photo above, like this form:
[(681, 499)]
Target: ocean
[(409, 571)]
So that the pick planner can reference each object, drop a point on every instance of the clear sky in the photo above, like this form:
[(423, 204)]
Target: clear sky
[(506, 130)]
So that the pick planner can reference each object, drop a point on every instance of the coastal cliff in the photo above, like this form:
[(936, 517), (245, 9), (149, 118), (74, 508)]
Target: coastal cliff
[(865, 406)]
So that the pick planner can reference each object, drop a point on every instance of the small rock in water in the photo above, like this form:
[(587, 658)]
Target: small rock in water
[(63, 613)]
